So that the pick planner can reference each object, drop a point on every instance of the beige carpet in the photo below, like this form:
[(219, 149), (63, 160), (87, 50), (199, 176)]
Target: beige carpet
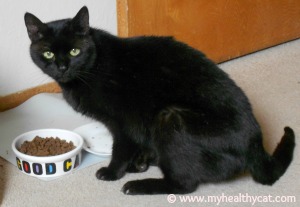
[(270, 78)]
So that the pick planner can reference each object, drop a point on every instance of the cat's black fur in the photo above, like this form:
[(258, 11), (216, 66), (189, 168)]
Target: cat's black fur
[(163, 101)]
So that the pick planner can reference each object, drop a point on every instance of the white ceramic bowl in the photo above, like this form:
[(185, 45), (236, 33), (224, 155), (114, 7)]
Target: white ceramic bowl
[(48, 166)]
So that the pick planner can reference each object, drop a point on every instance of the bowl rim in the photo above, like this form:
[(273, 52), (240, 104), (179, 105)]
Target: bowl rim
[(47, 159)]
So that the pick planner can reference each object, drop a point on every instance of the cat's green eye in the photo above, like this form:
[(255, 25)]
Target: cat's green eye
[(74, 52), (48, 55)]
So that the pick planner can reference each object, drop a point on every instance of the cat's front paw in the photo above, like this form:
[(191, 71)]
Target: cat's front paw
[(140, 187), (108, 174), (132, 188)]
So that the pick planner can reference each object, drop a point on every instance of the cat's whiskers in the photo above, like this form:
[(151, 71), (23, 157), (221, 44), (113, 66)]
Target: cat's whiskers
[(88, 75), (83, 76)]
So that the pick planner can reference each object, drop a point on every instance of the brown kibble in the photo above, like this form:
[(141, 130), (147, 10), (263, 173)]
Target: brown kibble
[(48, 146)]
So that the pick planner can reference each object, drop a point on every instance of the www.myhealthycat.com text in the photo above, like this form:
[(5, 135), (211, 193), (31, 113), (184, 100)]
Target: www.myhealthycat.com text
[(239, 198)]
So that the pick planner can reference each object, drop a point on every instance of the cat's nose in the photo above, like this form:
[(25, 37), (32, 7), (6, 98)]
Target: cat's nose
[(62, 67)]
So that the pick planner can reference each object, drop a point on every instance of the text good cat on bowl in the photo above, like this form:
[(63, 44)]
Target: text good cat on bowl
[(164, 103)]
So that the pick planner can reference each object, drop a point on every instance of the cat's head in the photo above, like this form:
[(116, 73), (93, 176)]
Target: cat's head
[(63, 49)]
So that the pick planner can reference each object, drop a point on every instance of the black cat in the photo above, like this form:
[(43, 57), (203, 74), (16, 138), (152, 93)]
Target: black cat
[(164, 103)]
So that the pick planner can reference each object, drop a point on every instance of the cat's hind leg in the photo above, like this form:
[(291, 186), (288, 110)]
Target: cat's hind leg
[(142, 160), (180, 175), (177, 158)]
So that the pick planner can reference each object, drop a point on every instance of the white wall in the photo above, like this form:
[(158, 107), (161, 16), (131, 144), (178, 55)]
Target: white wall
[(17, 71)]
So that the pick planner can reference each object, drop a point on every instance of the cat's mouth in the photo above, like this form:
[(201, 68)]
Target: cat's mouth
[(64, 78)]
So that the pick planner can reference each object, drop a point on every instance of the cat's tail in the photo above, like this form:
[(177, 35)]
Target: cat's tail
[(267, 169)]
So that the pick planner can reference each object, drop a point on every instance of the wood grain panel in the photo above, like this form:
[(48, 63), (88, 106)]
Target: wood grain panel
[(223, 29), (14, 100)]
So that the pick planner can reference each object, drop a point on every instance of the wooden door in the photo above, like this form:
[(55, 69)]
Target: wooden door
[(223, 29)]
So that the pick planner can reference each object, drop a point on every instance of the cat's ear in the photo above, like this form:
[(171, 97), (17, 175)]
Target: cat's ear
[(35, 27), (80, 23)]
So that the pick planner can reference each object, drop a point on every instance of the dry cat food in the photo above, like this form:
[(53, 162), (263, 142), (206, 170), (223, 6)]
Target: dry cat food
[(48, 146)]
